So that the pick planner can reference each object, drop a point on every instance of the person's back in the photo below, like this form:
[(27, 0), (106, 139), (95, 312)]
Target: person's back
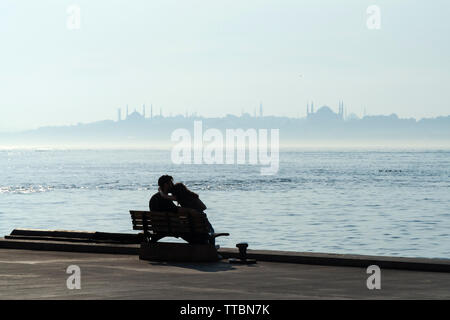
[(193, 203)]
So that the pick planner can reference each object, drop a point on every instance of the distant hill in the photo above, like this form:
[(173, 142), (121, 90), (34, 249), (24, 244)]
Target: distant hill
[(322, 125)]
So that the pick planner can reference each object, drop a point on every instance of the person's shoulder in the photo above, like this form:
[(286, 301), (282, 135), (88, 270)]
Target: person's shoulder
[(156, 196), (155, 202)]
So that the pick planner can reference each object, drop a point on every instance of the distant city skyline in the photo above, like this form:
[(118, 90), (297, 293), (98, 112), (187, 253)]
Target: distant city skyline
[(318, 114), (310, 109), (217, 58), (322, 125)]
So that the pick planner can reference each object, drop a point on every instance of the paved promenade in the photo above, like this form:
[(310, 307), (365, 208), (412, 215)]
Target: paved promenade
[(26, 274)]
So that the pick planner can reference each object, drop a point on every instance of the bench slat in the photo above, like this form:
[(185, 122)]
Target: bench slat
[(138, 215), (170, 223), (173, 225)]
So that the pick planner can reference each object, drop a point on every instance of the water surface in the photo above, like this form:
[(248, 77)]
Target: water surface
[(363, 202)]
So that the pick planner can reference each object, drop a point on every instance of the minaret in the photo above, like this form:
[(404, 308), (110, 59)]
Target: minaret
[(160, 111), (151, 111), (260, 110), (307, 109), (119, 116), (312, 106), (127, 113), (143, 110)]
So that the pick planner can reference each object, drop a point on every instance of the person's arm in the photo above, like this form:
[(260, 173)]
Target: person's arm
[(166, 196)]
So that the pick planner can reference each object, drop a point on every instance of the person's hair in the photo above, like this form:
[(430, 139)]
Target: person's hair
[(182, 193), (164, 179)]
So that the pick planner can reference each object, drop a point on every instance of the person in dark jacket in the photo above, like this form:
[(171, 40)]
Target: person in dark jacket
[(159, 201), (163, 202)]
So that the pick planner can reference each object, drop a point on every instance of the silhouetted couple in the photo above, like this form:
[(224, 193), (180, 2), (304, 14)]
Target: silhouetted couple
[(189, 202)]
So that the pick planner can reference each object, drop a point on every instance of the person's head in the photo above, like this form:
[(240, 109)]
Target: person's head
[(165, 183), (182, 193)]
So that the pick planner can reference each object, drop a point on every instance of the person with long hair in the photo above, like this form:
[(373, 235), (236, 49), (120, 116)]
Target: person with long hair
[(187, 199)]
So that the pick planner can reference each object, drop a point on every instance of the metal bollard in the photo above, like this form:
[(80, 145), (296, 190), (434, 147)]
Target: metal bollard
[(242, 246)]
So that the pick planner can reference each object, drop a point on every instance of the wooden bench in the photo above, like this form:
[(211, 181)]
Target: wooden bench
[(157, 225), (192, 227)]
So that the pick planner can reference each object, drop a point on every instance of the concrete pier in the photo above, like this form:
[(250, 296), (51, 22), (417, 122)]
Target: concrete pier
[(30, 274)]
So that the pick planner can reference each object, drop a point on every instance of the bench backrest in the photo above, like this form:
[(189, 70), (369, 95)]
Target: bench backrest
[(169, 223)]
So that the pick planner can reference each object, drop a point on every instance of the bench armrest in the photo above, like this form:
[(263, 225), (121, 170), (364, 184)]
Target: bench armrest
[(215, 235)]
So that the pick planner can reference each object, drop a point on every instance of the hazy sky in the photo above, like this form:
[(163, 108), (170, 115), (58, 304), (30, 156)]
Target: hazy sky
[(218, 57)]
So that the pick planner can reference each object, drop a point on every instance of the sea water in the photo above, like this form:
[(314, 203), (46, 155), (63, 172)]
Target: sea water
[(392, 202)]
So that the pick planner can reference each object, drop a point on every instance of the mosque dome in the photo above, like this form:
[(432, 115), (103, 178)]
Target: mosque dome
[(325, 114), (135, 116), (325, 110)]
